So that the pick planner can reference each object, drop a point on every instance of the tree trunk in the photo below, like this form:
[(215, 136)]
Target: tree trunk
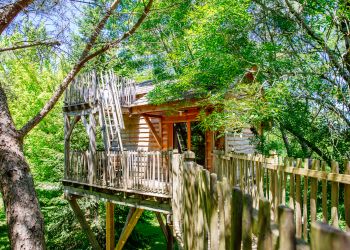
[(24, 219)]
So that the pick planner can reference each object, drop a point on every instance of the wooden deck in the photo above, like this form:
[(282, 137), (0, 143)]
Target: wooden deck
[(132, 172)]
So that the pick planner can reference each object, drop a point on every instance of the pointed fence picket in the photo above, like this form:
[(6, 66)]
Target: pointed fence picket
[(241, 205)]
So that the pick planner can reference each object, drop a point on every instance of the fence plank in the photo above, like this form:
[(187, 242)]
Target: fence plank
[(291, 187), (286, 228), (313, 192), (298, 222), (324, 196), (214, 218), (221, 207), (347, 197), (236, 219), (325, 237), (247, 222), (335, 197), (227, 211), (264, 226), (305, 232)]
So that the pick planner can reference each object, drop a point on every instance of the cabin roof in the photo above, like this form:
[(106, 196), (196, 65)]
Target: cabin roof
[(144, 87)]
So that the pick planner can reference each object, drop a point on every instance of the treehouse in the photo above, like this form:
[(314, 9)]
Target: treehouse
[(129, 144)]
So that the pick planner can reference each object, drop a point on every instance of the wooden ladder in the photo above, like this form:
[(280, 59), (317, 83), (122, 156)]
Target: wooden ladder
[(111, 116)]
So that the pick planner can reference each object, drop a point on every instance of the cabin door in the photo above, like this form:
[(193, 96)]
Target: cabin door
[(188, 136)]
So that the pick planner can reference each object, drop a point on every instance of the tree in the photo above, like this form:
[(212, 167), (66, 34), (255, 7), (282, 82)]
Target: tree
[(300, 93), (23, 214), (9, 11)]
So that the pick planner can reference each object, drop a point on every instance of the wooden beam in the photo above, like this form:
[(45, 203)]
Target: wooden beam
[(110, 242), (209, 146), (131, 212), (182, 118), (83, 223), (153, 131), (188, 135), (162, 226), (170, 242), (90, 128), (170, 136), (132, 223), (71, 127), (119, 198), (154, 116), (177, 105)]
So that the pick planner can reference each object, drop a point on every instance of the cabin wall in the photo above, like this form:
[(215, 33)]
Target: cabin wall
[(138, 136), (240, 142)]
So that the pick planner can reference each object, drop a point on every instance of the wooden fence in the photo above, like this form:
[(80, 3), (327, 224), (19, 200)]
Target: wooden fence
[(131, 171), (311, 187), (212, 212)]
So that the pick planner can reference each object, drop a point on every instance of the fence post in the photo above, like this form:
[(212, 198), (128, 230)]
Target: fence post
[(325, 237), (236, 219), (264, 226), (177, 191), (335, 197), (298, 221), (221, 206), (214, 220), (347, 197), (247, 222), (286, 227)]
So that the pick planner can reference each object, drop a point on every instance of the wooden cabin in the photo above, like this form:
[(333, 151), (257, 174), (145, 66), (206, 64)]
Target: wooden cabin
[(134, 167)]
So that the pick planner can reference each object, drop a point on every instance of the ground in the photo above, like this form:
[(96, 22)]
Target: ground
[(50, 196)]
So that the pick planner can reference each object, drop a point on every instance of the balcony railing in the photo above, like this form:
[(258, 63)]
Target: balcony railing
[(129, 171)]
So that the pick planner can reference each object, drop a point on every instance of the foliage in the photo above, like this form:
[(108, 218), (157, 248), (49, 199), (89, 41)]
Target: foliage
[(278, 65)]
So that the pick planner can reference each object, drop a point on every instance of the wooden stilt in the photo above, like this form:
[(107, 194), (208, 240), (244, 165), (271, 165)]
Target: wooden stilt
[(83, 223), (188, 124), (126, 233), (110, 242), (131, 212), (170, 243), (162, 226)]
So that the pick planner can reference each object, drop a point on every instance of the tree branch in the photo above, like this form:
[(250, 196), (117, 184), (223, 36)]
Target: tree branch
[(320, 41), (40, 43), (9, 12), (286, 141), (123, 37), (98, 29), (80, 64), (303, 140)]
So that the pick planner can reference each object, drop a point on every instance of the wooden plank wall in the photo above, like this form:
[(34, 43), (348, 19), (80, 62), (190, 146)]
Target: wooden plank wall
[(240, 142), (138, 136)]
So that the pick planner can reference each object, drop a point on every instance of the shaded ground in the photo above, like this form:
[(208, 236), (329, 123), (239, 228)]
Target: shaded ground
[(50, 197)]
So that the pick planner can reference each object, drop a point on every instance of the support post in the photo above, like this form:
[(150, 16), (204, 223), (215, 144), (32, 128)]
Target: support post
[(153, 130), (83, 223), (188, 135), (126, 233), (110, 242), (162, 226), (170, 243)]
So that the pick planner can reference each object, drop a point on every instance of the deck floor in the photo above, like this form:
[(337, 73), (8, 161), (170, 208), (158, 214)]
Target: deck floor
[(133, 198)]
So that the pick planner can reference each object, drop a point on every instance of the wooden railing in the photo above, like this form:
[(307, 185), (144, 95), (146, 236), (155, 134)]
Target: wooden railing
[(130, 171), (311, 187), (88, 88), (213, 212)]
